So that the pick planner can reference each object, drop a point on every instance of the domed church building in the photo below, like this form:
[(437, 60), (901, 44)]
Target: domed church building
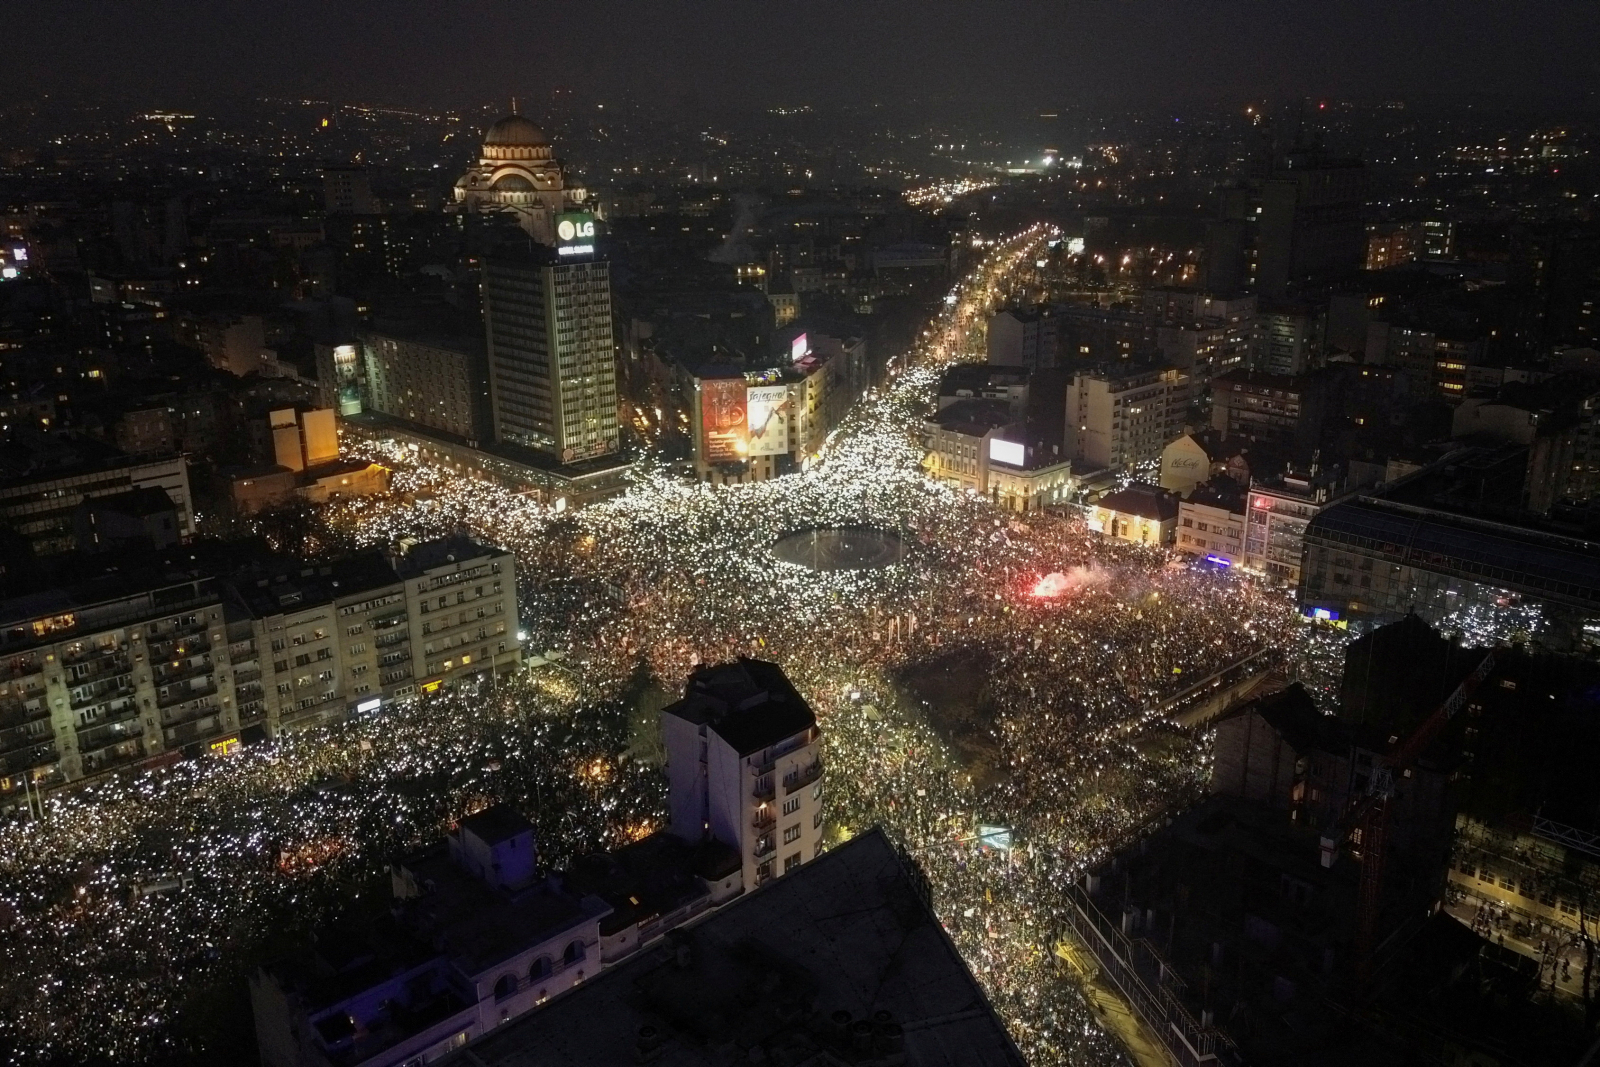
[(517, 171)]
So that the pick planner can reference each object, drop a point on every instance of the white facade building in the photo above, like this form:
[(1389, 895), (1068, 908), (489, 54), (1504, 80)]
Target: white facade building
[(745, 767), (1118, 417)]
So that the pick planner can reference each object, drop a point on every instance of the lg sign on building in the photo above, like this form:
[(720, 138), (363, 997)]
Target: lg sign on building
[(575, 234)]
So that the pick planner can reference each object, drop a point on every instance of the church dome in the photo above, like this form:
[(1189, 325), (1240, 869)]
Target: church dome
[(514, 130), (514, 183)]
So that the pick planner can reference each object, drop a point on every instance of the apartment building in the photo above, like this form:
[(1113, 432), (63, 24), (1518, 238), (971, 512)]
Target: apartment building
[(1279, 512), (1204, 350), (1202, 334), (132, 668), (958, 441), (1270, 407), (479, 934), (435, 379), (462, 609), (1211, 522), (40, 505), (1287, 338), (316, 627), (113, 673), (1117, 417), (373, 628), (744, 767), (1023, 337)]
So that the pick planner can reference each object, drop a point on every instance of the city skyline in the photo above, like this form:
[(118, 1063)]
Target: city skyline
[(1143, 52), (1061, 534)]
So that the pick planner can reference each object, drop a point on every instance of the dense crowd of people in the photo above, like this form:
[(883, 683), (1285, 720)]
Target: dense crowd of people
[(132, 897)]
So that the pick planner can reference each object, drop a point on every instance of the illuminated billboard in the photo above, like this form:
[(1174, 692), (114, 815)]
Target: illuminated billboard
[(575, 233), (1008, 452), (768, 408), (347, 379), (799, 349), (723, 421)]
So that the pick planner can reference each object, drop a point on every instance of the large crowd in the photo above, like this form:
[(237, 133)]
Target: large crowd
[(1078, 644)]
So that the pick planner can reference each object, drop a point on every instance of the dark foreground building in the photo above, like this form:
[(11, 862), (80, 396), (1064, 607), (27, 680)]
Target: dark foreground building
[(842, 962)]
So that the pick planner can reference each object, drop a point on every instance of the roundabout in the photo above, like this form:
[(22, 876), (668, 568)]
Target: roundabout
[(840, 548)]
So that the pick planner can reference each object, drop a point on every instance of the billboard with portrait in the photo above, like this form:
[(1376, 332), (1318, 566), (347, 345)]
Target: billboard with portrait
[(723, 421), (768, 407)]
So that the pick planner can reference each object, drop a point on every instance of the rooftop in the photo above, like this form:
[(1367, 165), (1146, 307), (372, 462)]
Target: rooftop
[(136, 502), (477, 925), (973, 417), (496, 824), (280, 585), (750, 704), (457, 548), (1516, 557), (1255, 381), (840, 957), (1145, 501), (1220, 492), (652, 877)]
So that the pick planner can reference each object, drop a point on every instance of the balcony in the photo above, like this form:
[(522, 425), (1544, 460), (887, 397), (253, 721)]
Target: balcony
[(763, 789), (802, 778), (765, 846), (184, 694), (764, 819), (191, 641), (14, 763), (193, 667), (186, 732), (93, 669), (26, 733), (251, 712), (91, 654), (102, 692), (19, 667), (189, 712), (105, 734), (124, 753)]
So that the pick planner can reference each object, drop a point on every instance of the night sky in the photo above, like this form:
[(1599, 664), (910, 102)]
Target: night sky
[(456, 52)]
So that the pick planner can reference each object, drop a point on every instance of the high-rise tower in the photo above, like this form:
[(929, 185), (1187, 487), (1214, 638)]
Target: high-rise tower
[(552, 359)]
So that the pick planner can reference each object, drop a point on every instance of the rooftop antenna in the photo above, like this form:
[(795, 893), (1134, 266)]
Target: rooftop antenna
[(514, 110)]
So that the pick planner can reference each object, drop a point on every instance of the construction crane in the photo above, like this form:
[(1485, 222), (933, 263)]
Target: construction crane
[(1370, 813)]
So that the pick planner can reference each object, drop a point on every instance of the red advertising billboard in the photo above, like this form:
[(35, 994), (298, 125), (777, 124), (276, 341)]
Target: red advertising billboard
[(723, 420)]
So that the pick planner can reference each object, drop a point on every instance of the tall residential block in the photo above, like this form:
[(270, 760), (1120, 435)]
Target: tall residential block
[(744, 765), (1311, 227), (1119, 416), (552, 356)]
